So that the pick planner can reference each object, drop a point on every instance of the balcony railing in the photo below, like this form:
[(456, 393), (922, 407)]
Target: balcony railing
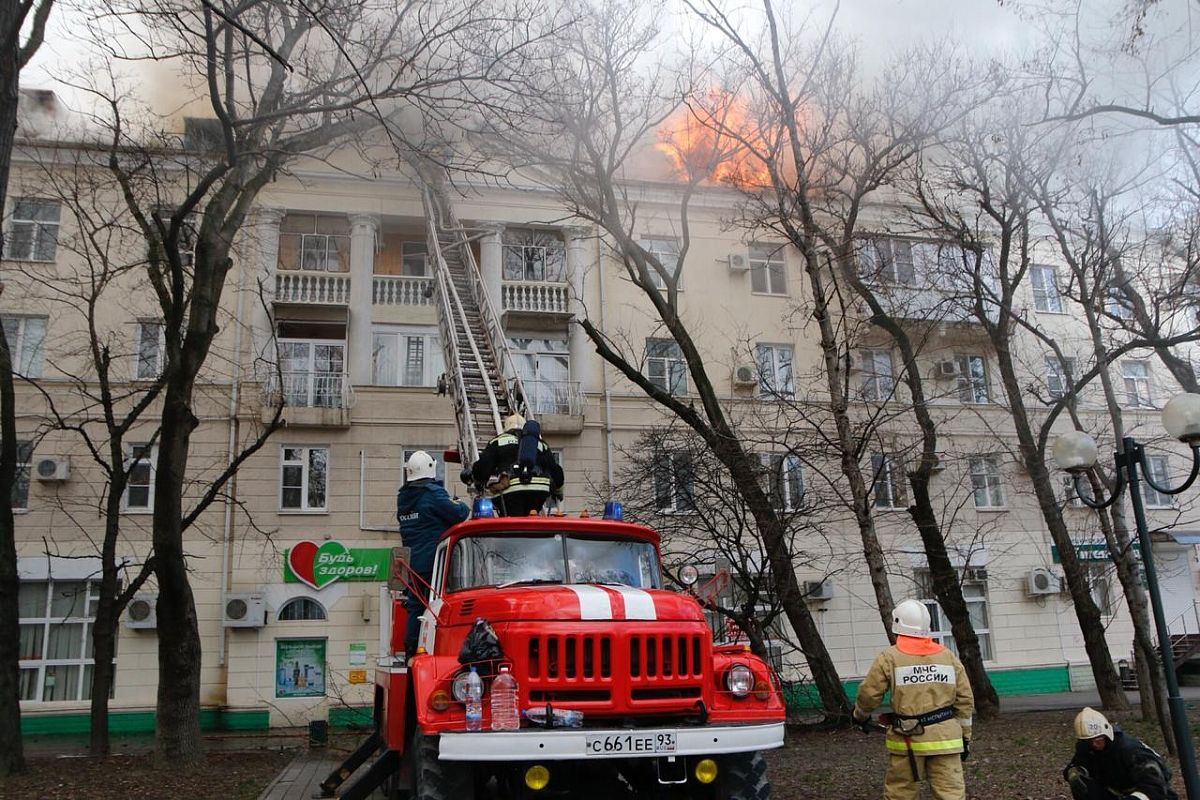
[(554, 397), (315, 288), (537, 298), (309, 390), (402, 290)]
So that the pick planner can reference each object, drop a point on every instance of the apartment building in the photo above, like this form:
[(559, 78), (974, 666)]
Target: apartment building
[(333, 284)]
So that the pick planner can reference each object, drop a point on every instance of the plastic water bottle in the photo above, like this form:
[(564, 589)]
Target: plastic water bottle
[(504, 702), (474, 701)]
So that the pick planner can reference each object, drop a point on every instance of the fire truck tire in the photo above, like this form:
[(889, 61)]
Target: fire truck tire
[(744, 778), (439, 780)]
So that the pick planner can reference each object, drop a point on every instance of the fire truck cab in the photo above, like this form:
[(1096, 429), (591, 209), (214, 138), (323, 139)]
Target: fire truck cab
[(585, 624)]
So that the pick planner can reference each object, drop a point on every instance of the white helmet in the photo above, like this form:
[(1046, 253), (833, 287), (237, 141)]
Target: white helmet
[(420, 465), (514, 421), (910, 618), (1090, 723)]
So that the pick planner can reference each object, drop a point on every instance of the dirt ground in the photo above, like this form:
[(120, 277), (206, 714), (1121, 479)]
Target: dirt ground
[(223, 776), (1018, 757)]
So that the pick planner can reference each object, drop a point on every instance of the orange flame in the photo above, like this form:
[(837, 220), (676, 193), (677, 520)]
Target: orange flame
[(714, 139)]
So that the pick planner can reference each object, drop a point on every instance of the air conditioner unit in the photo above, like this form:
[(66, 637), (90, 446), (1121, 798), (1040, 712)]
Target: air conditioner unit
[(738, 262), (940, 460), (946, 368), (244, 610), (1040, 582), (745, 375), (53, 469), (818, 590), (141, 612)]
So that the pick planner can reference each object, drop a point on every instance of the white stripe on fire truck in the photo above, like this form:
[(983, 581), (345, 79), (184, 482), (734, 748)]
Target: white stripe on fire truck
[(593, 602), (638, 604)]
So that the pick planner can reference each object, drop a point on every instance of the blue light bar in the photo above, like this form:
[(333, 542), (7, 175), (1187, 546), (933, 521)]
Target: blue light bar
[(483, 508), (613, 510)]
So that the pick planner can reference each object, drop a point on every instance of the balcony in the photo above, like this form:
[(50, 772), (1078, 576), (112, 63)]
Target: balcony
[(557, 405), (535, 305), (310, 399), (401, 290), (303, 287)]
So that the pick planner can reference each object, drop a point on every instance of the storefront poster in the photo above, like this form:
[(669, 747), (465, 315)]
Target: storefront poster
[(299, 667), (319, 565)]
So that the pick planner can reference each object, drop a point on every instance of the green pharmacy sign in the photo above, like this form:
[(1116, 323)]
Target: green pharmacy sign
[(319, 565)]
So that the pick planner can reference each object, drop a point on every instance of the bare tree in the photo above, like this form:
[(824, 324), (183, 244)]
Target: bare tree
[(283, 82), (14, 55)]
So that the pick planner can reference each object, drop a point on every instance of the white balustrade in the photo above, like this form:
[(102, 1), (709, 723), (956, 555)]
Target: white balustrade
[(402, 290), (317, 288), (542, 298), (306, 389)]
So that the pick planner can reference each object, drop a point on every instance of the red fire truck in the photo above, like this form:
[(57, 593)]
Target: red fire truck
[(585, 624)]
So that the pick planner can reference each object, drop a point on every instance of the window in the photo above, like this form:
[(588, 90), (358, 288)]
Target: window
[(33, 234), (531, 255), (1136, 375), (1117, 304), (436, 453), (313, 372), (987, 482), (972, 379), (139, 486), (414, 259), (888, 261), (1059, 376), (767, 274), (20, 487), (1157, 470), (667, 253), (878, 379), (775, 370), (545, 369), (886, 482), (26, 341), (674, 483), (302, 475), (55, 642), (1046, 296), (301, 609), (149, 346), (665, 366), (974, 589), (406, 357), (786, 487), (314, 242)]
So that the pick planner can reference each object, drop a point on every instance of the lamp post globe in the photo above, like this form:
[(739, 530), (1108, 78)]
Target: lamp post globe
[(1181, 417), (1075, 451)]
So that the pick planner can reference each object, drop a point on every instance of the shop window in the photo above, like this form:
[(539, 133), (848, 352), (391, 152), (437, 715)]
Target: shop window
[(55, 644), (301, 609)]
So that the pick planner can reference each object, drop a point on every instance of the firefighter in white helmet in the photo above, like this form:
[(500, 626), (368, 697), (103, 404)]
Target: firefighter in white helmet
[(1114, 765), (929, 729)]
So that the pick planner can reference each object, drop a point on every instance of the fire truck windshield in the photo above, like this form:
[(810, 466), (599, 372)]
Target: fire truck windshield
[(511, 560)]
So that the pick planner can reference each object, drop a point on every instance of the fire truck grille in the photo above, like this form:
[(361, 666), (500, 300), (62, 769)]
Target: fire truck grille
[(570, 657), (664, 656)]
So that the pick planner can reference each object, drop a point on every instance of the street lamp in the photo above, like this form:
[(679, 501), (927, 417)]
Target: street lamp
[(1076, 453)]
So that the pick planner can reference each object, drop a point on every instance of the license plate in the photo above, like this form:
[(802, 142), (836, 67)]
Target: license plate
[(631, 744)]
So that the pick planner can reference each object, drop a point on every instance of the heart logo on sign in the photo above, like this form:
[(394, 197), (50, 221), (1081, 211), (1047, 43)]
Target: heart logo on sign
[(331, 558), (302, 558)]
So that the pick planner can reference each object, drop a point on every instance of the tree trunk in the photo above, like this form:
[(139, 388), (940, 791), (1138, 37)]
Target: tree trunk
[(108, 609), (177, 719)]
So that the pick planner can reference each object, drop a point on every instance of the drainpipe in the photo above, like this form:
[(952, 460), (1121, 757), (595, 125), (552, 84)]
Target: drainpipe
[(231, 495)]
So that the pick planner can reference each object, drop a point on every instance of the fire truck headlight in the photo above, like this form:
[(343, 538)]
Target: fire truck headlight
[(706, 770), (458, 687), (739, 680), (688, 575), (439, 701), (537, 777)]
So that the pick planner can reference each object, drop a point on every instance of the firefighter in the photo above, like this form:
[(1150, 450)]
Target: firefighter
[(520, 482), (1114, 765), (929, 729), (424, 510)]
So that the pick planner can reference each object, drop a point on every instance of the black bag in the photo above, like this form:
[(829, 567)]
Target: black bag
[(481, 647)]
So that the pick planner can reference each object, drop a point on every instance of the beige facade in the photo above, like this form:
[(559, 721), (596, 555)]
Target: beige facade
[(346, 289)]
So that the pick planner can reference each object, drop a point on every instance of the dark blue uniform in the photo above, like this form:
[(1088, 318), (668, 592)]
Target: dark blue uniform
[(424, 511), (1125, 768)]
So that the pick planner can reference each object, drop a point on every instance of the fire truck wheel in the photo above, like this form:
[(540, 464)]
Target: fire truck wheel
[(439, 780), (744, 778)]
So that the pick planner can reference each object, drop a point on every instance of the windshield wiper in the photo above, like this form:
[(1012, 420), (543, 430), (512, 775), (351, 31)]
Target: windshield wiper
[(528, 581)]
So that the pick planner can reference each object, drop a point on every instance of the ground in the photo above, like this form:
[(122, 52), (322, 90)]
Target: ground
[(222, 776), (1017, 757)]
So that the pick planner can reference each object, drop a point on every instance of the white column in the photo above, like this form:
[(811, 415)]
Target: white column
[(491, 263), (583, 357), (363, 230), (264, 254)]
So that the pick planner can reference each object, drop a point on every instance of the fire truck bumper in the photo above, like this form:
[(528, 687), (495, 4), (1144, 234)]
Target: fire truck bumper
[(562, 744)]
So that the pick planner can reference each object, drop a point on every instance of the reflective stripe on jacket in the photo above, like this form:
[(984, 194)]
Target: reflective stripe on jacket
[(920, 684)]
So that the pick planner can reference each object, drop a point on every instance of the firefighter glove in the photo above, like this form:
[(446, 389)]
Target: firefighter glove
[(966, 753)]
